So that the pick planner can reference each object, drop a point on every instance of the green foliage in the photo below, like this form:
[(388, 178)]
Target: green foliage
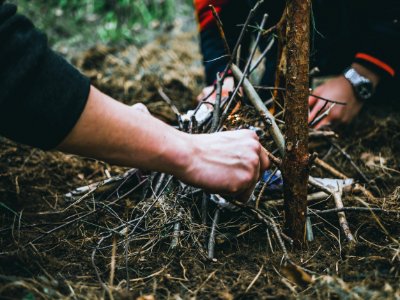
[(112, 20)]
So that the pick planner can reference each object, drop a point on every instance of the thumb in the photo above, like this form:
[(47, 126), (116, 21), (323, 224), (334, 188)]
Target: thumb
[(312, 100), (265, 163)]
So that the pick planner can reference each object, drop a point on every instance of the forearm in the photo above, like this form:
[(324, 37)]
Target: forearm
[(111, 131), (220, 162)]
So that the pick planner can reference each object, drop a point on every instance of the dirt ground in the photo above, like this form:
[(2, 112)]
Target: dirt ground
[(53, 248)]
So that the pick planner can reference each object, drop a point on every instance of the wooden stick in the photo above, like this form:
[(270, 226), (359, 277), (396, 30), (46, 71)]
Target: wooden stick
[(310, 198), (262, 56), (204, 208), (211, 241), (246, 69), (261, 216), (327, 167), (337, 196), (169, 102), (295, 164), (177, 229), (320, 133), (275, 160), (358, 209), (355, 188), (217, 106), (262, 109), (220, 29)]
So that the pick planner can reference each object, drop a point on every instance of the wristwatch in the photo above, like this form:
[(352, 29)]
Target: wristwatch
[(363, 87)]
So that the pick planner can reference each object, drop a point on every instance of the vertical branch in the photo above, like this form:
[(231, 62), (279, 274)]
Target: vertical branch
[(217, 106), (280, 73), (295, 162), (211, 241), (221, 30)]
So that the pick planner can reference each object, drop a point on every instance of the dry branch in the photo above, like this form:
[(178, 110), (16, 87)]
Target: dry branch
[(261, 108), (295, 168), (337, 195)]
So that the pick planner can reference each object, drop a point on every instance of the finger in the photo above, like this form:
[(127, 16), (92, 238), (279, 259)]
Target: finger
[(265, 163), (140, 107), (246, 194), (315, 110), (312, 100), (324, 122), (200, 96), (225, 92), (207, 92)]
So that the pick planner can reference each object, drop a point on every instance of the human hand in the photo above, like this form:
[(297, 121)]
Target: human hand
[(339, 89), (226, 162), (228, 86), (140, 107)]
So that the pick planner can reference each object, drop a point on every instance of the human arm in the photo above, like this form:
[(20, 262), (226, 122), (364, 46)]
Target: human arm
[(228, 162), (375, 44), (46, 103), (340, 89)]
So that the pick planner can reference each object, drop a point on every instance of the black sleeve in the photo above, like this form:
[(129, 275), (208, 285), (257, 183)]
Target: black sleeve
[(232, 13), (41, 95), (379, 46)]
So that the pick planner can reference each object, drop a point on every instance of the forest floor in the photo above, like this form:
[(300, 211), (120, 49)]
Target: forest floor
[(50, 248)]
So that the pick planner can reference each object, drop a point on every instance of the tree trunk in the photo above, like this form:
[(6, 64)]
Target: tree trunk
[(295, 162)]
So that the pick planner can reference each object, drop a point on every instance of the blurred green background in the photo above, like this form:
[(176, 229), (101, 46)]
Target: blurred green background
[(76, 23)]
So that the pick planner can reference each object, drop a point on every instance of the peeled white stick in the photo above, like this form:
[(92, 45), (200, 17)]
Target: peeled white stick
[(260, 106)]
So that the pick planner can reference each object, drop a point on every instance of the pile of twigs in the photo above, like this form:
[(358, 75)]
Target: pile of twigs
[(172, 214), (137, 214)]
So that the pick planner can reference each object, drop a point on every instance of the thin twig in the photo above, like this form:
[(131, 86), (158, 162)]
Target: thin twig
[(327, 167), (337, 196), (328, 100), (358, 209), (176, 234), (262, 109), (319, 118), (275, 160), (217, 106), (204, 208), (262, 56), (211, 241), (310, 198), (221, 30), (255, 279), (246, 69), (169, 101), (264, 187), (270, 223), (348, 157)]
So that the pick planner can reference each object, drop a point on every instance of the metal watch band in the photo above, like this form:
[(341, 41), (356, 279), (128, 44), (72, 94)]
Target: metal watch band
[(362, 86)]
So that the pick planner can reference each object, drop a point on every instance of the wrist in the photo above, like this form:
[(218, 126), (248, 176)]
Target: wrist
[(367, 73), (178, 154), (362, 80)]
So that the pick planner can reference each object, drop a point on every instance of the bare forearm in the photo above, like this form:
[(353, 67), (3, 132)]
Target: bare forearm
[(111, 131), (228, 162)]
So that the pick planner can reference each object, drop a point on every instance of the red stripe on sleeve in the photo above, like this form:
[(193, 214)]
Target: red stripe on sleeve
[(377, 62), (204, 13)]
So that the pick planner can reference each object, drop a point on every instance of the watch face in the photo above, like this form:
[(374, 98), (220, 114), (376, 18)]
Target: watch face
[(364, 90), (362, 86)]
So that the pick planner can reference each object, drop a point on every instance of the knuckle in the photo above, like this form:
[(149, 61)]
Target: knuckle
[(233, 188), (254, 135), (247, 178), (257, 148)]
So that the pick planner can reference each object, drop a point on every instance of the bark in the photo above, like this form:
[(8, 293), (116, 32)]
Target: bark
[(295, 162)]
